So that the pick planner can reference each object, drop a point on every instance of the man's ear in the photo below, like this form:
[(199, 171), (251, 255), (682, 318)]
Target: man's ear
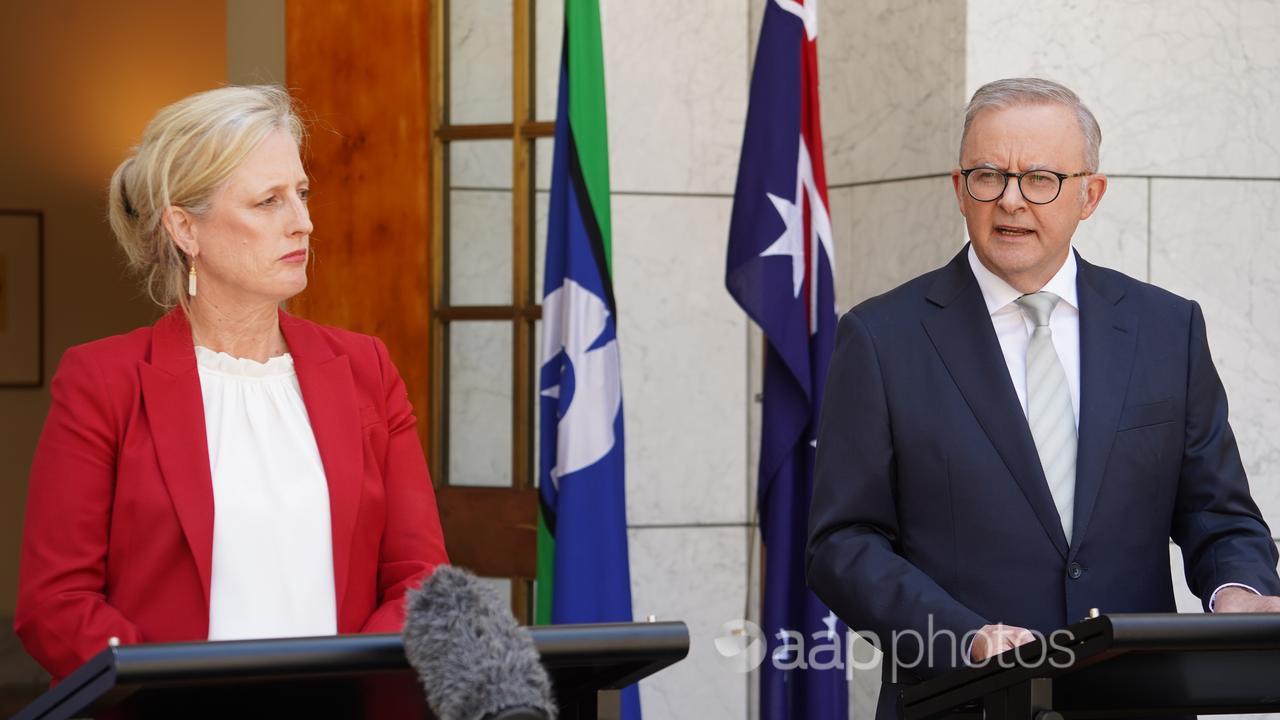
[(181, 227), (957, 182), (1095, 188)]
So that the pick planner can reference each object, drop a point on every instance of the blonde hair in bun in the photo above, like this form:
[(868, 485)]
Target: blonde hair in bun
[(187, 152)]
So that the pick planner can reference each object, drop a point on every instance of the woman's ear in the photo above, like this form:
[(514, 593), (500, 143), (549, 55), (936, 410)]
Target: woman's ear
[(181, 227)]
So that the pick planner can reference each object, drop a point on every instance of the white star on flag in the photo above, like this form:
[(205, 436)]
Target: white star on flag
[(830, 622), (792, 241)]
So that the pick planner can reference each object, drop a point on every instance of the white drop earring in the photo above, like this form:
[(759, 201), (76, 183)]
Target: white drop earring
[(191, 279)]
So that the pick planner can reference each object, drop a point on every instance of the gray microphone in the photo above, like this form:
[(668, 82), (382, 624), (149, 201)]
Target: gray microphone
[(474, 661)]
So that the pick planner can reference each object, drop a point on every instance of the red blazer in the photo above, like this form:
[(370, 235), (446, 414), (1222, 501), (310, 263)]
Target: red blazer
[(119, 528)]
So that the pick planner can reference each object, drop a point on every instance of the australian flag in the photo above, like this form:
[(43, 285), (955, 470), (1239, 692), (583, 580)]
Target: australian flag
[(779, 270)]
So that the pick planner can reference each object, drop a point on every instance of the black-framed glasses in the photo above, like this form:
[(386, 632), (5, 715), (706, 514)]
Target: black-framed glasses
[(1039, 187)]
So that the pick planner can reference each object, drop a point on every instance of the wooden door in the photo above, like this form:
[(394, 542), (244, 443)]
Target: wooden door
[(395, 220)]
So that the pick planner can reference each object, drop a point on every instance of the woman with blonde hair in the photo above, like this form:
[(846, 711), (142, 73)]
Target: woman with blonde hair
[(232, 471)]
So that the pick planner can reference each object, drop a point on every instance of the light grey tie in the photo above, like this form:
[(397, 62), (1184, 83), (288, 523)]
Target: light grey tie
[(1049, 411)]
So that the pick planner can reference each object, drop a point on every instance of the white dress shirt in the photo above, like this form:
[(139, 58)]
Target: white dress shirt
[(1013, 329), (272, 546)]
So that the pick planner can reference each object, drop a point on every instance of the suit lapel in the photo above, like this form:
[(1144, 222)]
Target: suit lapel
[(962, 333), (329, 393), (175, 411), (1108, 337)]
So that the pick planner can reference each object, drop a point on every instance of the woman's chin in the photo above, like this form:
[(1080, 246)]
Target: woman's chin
[(284, 291), (295, 289), (294, 282)]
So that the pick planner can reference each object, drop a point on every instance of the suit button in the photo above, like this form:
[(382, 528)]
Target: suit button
[(1075, 570)]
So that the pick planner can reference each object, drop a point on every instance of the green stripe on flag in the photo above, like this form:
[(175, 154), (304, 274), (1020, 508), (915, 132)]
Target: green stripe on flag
[(586, 110), (546, 573)]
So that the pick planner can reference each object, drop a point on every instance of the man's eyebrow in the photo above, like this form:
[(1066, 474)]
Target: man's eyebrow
[(1029, 168)]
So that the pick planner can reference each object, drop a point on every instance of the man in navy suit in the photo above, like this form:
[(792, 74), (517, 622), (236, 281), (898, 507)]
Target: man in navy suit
[(1012, 439)]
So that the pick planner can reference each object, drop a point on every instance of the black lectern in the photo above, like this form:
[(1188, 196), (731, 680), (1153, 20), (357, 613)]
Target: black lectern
[(1119, 666), (348, 676)]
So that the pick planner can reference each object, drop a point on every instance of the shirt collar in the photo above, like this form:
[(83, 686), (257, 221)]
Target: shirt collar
[(998, 294)]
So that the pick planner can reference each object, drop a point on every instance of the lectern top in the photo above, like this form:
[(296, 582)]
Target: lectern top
[(1116, 666), (350, 668), (1157, 631)]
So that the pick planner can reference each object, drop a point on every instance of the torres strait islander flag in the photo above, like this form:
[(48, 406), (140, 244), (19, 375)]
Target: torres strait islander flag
[(583, 572), (779, 270)]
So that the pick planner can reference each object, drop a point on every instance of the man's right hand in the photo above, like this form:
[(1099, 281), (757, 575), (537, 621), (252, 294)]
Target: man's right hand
[(992, 640)]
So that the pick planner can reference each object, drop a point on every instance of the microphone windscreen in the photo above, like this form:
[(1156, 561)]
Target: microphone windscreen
[(473, 659)]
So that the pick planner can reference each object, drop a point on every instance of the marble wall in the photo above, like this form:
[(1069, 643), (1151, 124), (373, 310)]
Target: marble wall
[(676, 76), (891, 78)]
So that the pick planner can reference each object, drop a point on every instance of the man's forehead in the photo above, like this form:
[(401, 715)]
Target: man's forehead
[(1032, 135)]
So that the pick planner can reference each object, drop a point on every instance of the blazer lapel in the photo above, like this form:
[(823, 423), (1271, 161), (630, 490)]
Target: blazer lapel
[(1108, 337), (962, 333), (175, 411), (329, 393)]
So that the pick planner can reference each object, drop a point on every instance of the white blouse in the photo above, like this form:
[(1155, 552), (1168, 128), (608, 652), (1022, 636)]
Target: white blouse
[(272, 545)]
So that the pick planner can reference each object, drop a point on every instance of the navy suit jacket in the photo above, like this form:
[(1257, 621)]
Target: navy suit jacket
[(930, 508)]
